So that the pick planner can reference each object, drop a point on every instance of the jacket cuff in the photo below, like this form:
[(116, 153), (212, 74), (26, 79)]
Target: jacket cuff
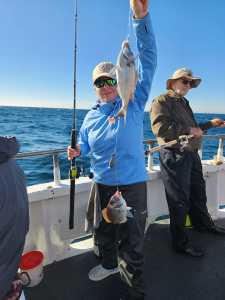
[(206, 125)]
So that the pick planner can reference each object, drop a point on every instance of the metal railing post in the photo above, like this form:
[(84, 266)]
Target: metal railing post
[(219, 156), (200, 151), (56, 169), (150, 158)]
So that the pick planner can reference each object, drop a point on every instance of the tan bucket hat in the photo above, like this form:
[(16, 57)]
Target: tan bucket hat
[(183, 73), (104, 68)]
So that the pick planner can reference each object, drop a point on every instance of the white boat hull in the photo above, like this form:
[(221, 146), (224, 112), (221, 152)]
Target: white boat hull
[(49, 210)]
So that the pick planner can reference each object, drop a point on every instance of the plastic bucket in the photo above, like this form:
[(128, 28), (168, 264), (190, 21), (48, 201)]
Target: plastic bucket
[(31, 268)]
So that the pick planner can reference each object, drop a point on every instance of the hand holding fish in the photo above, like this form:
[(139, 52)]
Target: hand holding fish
[(139, 7), (71, 153), (218, 123)]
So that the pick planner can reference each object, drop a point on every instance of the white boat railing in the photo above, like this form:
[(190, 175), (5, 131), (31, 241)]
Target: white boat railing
[(55, 156), (219, 155), (49, 204), (150, 164)]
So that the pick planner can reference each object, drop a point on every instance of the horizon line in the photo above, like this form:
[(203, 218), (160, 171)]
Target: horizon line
[(71, 108)]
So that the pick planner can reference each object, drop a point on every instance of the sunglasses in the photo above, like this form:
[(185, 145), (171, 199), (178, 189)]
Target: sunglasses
[(99, 83), (186, 82)]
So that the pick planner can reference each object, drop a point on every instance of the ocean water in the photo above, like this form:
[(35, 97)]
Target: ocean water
[(49, 128)]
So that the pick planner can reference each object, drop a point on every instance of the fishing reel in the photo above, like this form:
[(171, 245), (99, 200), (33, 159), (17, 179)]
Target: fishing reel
[(91, 175), (184, 140), (75, 172), (78, 171)]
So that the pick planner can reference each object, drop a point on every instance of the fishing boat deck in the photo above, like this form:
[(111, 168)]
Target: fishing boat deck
[(169, 276)]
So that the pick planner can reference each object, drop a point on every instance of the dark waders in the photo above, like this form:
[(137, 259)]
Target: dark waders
[(185, 192)]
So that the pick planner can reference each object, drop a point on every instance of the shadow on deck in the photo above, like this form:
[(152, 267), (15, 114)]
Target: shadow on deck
[(169, 276)]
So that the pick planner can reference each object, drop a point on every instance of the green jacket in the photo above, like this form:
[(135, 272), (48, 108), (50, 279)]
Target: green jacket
[(172, 116)]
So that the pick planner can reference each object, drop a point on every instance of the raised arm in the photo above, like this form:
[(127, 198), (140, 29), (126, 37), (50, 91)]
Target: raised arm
[(212, 123), (147, 52)]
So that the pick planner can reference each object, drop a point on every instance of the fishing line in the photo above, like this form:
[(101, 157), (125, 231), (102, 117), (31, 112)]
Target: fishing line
[(129, 24), (115, 150), (114, 160), (129, 31), (73, 170), (113, 163)]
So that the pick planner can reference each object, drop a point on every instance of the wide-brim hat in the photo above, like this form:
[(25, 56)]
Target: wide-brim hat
[(183, 73), (103, 69)]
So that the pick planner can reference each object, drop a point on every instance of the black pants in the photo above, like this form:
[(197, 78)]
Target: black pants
[(185, 192), (125, 240)]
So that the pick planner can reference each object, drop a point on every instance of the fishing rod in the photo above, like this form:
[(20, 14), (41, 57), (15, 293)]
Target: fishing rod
[(183, 140), (74, 171)]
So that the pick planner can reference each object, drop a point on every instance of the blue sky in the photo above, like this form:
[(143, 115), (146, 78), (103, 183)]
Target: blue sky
[(37, 45)]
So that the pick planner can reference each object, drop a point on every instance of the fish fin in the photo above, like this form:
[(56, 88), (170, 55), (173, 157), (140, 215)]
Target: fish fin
[(105, 215), (121, 112), (129, 212)]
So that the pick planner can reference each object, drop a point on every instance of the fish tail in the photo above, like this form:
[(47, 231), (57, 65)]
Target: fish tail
[(123, 112)]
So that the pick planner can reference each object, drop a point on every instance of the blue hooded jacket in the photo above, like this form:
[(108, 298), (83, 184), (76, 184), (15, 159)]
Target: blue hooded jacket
[(103, 140)]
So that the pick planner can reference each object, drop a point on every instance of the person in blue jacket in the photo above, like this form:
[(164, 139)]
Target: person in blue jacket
[(117, 158)]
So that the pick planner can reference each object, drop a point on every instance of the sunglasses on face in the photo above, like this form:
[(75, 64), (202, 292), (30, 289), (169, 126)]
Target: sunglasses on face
[(99, 83), (186, 82)]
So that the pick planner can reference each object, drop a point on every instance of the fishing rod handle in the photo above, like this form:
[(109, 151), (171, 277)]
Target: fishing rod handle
[(158, 148), (73, 138)]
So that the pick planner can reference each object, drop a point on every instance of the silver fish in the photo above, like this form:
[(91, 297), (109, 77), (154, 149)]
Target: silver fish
[(116, 211), (126, 76)]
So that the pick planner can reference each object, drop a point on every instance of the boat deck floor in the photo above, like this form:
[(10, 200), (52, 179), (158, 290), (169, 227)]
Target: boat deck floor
[(169, 276)]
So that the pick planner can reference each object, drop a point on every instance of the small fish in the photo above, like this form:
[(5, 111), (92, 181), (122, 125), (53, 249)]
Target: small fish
[(126, 77), (116, 211)]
